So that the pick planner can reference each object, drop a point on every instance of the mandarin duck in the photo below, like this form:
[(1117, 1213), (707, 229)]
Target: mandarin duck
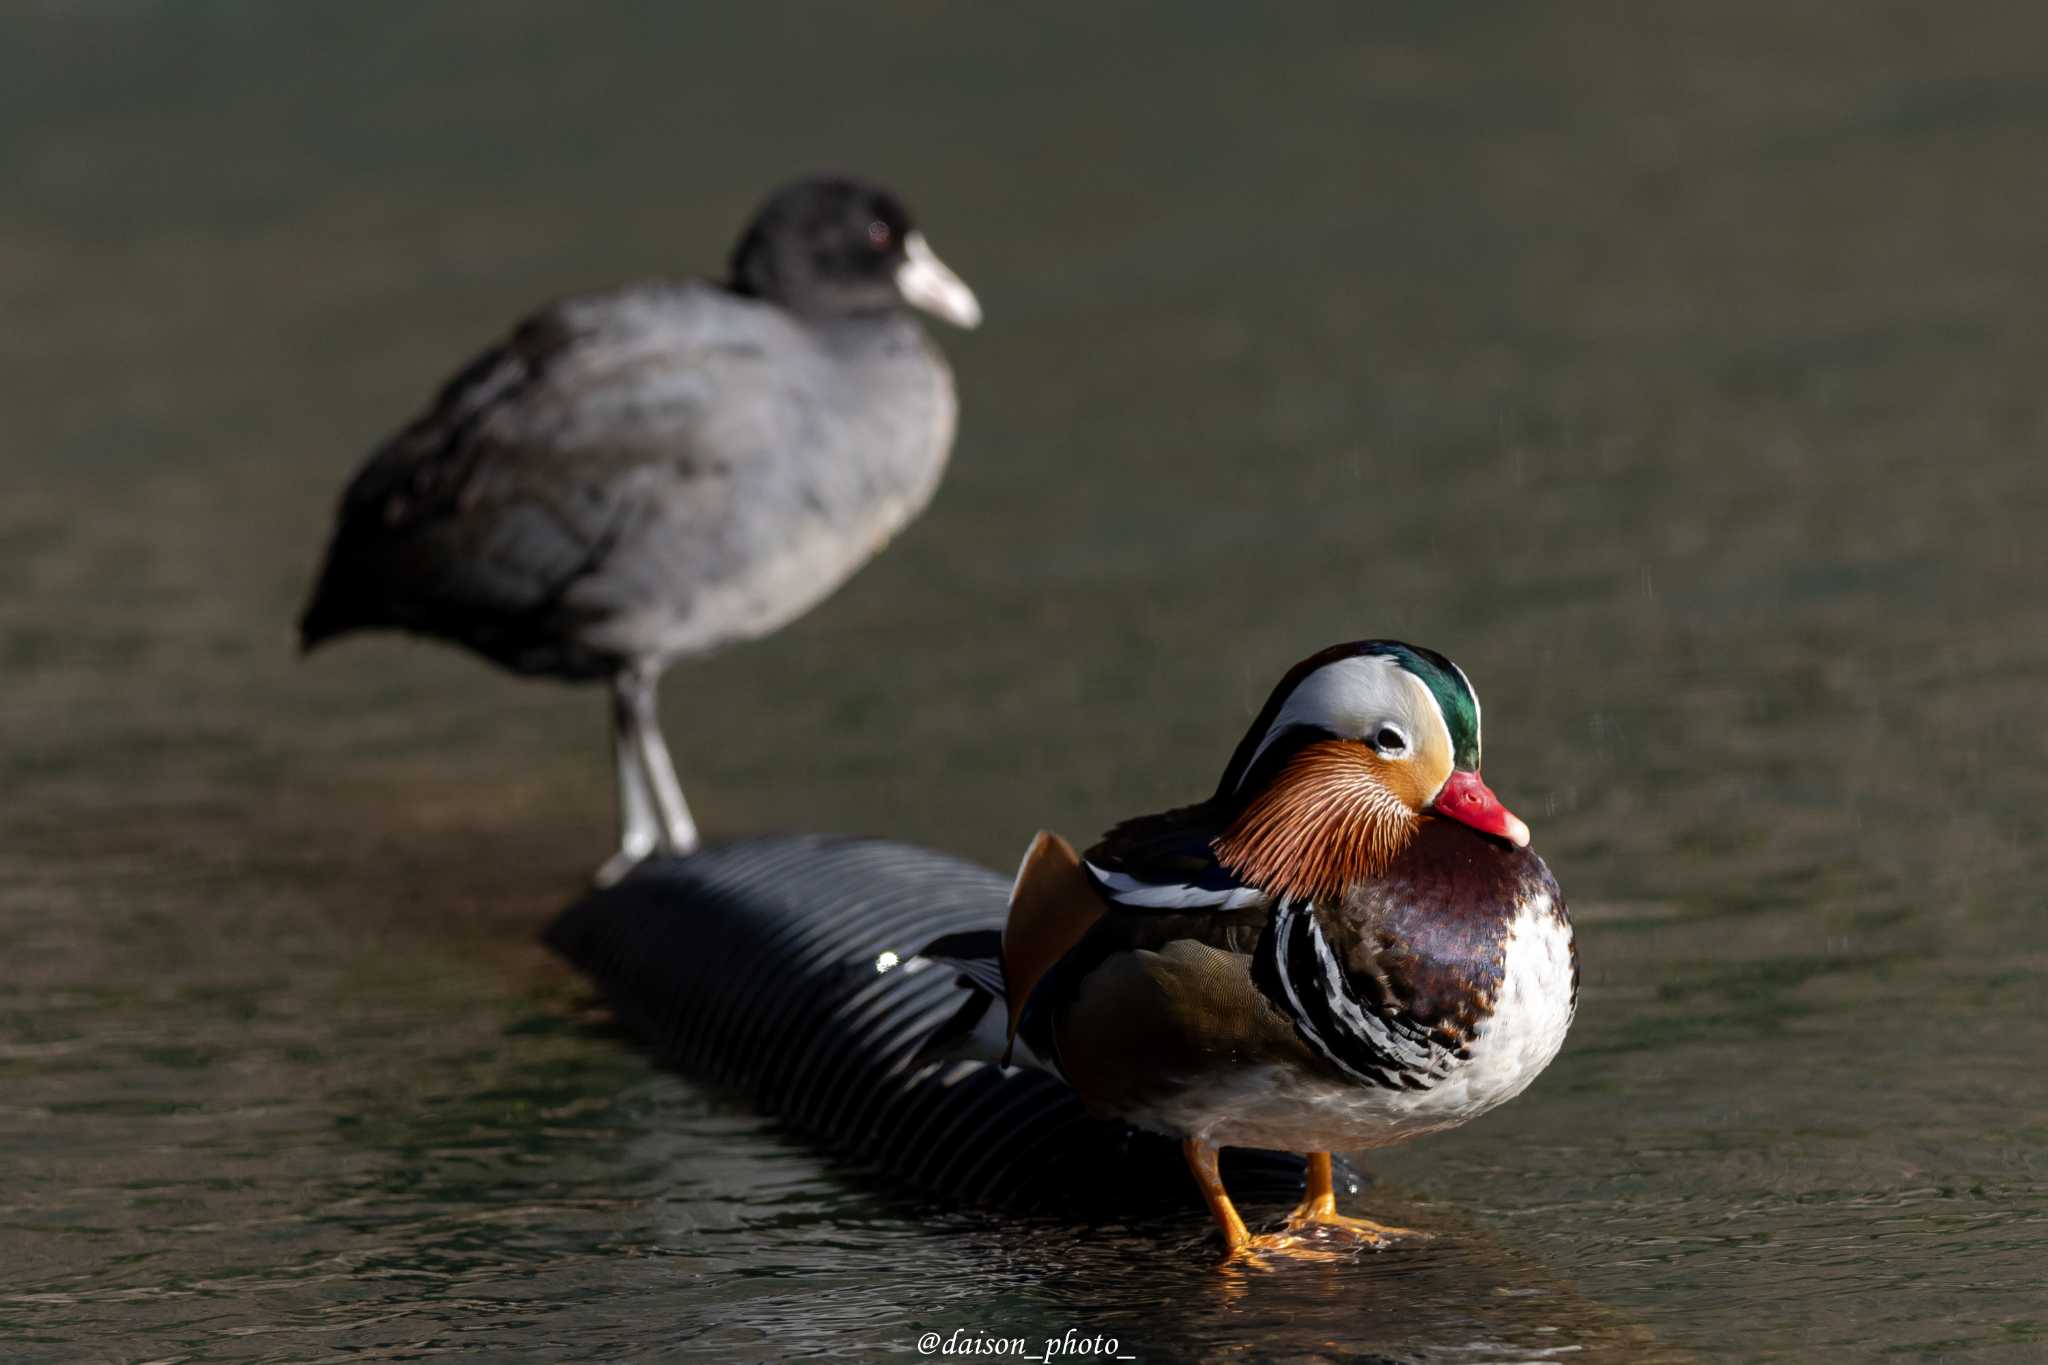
[(1348, 945)]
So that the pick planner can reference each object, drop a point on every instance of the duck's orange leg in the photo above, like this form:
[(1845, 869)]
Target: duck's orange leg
[(1309, 1229), (1202, 1163)]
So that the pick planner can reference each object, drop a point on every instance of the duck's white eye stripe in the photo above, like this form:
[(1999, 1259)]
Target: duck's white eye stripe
[(1342, 697)]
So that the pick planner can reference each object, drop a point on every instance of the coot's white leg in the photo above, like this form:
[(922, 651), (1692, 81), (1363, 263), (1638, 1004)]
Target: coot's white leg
[(679, 831), (639, 829)]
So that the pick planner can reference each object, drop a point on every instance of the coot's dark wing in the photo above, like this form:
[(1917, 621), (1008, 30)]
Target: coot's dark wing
[(477, 519)]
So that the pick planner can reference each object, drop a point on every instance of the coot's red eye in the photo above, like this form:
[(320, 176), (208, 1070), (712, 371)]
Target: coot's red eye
[(878, 234)]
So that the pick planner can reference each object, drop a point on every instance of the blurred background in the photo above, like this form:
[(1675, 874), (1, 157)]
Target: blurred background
[(1677, 369)]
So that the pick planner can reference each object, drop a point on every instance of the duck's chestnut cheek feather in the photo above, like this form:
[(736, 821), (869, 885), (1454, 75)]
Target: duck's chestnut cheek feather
[(1468, 800)]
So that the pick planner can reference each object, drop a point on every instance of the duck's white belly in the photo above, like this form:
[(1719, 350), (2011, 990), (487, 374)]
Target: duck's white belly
[(1289, 1111)]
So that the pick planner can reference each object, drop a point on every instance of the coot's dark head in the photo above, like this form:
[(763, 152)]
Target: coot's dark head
[(829, 247)]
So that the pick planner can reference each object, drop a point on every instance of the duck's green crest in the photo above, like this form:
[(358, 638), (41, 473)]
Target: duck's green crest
[(1454, 696)]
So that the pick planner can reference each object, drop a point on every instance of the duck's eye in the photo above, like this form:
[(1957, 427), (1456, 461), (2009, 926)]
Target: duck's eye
[(1390, 741), (878, 234)]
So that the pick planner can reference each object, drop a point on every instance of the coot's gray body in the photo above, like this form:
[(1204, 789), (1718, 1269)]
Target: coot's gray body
[(641, 475), (653, 472)]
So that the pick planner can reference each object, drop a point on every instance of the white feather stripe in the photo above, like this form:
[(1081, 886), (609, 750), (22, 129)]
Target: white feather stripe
[(1125, 889), (1417, 1054), (1283, 924), (1407, 1053)]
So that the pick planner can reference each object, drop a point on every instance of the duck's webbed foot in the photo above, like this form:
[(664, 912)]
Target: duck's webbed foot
[(1315, 1231), (1326, 1237), (1318, 1210)]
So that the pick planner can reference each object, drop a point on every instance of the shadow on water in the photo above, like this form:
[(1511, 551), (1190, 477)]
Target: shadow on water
[(816, 1258)]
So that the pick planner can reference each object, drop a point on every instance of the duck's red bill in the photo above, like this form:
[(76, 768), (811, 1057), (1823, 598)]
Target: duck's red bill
[(1467, 800)]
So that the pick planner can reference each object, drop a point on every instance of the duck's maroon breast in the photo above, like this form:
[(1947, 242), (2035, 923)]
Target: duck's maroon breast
[(1426, 942)]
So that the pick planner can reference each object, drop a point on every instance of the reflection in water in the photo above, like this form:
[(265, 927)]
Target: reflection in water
[(1680, 378)]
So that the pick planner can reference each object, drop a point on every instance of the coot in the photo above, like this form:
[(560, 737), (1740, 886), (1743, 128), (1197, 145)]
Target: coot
[(644, 474)]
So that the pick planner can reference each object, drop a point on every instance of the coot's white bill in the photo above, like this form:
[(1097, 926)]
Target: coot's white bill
[(927, 283)]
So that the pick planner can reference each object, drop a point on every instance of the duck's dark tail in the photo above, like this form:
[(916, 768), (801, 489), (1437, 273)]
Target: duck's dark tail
[(787, 969), (977, 1030)]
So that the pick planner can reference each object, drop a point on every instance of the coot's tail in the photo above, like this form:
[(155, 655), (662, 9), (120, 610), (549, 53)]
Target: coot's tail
[(785, 969), (317, 627), (332, 610)]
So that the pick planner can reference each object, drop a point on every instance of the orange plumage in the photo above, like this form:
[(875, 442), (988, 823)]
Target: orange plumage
[(1330, 818)]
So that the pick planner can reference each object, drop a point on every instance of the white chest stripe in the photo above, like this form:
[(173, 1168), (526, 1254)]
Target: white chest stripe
[(1418, 1054), (1403, 1049)]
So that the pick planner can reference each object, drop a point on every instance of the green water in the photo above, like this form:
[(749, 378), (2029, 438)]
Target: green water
[(1675, 368)]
